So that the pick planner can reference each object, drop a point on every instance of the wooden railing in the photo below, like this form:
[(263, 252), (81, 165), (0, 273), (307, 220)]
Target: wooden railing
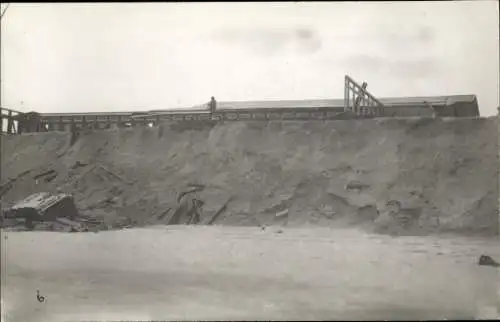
[(9, 121), (15, 122), (64, 122), (359, 101)]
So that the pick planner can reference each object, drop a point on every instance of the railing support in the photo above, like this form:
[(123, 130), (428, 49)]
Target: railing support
[(363, 103)]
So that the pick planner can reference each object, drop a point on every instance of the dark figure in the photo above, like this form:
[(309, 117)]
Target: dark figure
[(213, 105), (74, 134), (194, 216), (29, 221), (486, 260)]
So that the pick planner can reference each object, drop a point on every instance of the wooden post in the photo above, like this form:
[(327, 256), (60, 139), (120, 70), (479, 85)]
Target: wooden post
[(61, 124), (21, 123), (74, 132), (10, 123), (36, 123), (346, 93), (360, 97)]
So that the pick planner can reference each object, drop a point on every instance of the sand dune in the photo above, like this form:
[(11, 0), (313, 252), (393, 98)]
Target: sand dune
[(332, 173)]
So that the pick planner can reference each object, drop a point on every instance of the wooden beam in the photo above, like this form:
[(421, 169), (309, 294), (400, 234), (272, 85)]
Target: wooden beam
[(10, 123)]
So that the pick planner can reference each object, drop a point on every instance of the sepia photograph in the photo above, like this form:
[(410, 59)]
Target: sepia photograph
[(250, 161)]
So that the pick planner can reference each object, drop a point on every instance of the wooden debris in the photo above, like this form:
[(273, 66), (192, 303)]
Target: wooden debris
[(12, 222), (114, 174), (282, 214), (220, 211), (43, 207), (98, 174), (356, 185), (176, 216), (78, 164), (50, 178), (163, 214), (4, 188), (44, 174), (196, 185), (71, 223), (195, 189)]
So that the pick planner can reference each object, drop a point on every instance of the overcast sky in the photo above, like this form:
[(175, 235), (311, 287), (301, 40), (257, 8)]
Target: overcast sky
[(112, 57)]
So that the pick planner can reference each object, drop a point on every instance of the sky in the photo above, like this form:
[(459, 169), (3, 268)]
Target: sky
[(65, 57)]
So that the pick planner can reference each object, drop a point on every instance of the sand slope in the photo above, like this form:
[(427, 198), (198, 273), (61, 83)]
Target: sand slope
[(447, 168)]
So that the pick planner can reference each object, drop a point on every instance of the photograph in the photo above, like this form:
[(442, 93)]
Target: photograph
[(249, 161)]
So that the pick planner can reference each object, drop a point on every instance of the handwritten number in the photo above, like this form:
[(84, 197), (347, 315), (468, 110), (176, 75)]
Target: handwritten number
[(39, 297)]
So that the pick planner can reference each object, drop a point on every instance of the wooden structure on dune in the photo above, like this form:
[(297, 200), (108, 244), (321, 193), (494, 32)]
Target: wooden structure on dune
[(357, 103)]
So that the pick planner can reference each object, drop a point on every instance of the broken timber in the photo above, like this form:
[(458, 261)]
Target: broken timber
[(43, 207), (115, 175), (220, 211)]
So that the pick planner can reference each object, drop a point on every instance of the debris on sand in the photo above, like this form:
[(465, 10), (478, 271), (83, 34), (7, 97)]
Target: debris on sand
[(485, 260), (405, 217), (74, 225), (195, 188), (282, 214), (164, 213), (5, 187), (368, 212), (355, 185), (45, 211), (48, 175), (115, 174), (220, 211), (78, 164), (43, 206)]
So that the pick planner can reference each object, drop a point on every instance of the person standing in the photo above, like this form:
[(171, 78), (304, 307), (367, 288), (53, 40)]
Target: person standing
[(213, 105)]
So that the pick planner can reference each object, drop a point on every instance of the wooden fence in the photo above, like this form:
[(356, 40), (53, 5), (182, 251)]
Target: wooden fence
[(15, 122), (359, 101), (64, 122)]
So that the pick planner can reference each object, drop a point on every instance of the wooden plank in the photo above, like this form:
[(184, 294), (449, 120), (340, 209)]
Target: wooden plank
[(43, 206), (68, 222), (1, 120), (114, 174), (219, 211)]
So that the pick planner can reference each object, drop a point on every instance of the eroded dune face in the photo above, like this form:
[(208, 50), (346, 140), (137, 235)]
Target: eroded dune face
[(339, 173)]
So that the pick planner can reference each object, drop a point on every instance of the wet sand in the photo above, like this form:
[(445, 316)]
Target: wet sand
[(245, 273)]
